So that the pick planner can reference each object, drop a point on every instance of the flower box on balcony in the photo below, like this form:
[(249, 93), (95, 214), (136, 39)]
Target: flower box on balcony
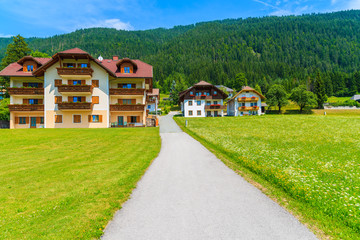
[(243, 97)]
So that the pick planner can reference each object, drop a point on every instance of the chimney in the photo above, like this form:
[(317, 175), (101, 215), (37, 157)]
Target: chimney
[(115, 58)]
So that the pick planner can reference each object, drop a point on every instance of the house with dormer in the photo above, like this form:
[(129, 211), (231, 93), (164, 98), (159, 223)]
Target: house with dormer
[(74, 90), (246, 102)]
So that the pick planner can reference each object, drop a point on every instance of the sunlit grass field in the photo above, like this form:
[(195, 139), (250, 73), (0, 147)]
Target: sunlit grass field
[(67, 183), (315, 159)]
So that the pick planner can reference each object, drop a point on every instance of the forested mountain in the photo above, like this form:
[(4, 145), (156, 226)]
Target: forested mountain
[(287, 50)]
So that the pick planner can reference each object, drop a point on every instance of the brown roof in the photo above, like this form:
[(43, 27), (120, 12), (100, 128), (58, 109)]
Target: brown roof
[(155, 92), (247, 88), (203, 83), (144, 70)]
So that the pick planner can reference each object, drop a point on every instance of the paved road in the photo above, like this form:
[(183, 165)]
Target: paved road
[(187, 193)]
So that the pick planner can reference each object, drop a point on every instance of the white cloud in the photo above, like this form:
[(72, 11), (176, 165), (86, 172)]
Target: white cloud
[(109, 23), (354, 4), (5, 35)]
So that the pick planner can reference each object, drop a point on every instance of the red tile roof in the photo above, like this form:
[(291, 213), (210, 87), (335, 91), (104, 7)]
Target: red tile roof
[(144, 70), (247, 88), (16, 69), (74, 50)]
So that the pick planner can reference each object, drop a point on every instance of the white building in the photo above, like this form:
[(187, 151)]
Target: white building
[(153, 99), (202, 100), (245, 102)]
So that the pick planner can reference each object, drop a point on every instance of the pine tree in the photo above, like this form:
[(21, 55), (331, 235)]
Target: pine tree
[(319, 90), (15, 51), (258, 88)]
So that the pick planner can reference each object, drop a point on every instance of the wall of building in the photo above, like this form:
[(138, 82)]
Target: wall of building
[(114, 116), (247, 104), (67, 119), (13, 115)]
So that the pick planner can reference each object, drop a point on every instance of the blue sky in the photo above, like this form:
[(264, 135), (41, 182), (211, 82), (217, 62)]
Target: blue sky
[(42, 18)]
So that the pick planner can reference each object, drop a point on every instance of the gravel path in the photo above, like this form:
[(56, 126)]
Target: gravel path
[(187, 193)]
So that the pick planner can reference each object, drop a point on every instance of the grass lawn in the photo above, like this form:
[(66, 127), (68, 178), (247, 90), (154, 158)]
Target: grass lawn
[(337, 99), (313, 161), (67, 183)]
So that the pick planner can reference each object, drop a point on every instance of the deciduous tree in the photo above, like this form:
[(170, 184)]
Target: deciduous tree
[(277, 96), (302, 97)]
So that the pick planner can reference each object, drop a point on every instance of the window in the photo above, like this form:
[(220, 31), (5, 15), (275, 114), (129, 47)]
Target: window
[(77, 118), (95, 99), (126, 69), (215, 113), (215, 92), (208, 114), (33, 101), (22, 120), (127, 85), (128, 101), (198, 103), (30, 68), (69, 65), (197, 94), (207, 94), (190, 113), (251, 104), (33, 85), (83, 65), (190, 103), (255, 104), (215, 102), (191, 93), (94, 118), (76, 82), (76, 99), (149, 106), (199, 113), (58, 118), (133, 119), (208, 103), (41, 120), (58, 82)]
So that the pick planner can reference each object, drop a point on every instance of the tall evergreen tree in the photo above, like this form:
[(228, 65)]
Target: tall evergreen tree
[(257, 88), (319, 90), (15, 50)]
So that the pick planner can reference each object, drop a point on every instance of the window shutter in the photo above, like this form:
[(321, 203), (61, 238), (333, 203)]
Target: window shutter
[(128, 119), (83, 82), (41, 85), (27, 120), (70, 82), (24, 68), (58, 118), (133, 101), (138, 119), (133, 85), (41, 101), (58, 82), (58, 99), (90, 118), (25, 84), (25, 101), (38, 120), (95, 83), (120, 101), (100, 118), (16, 120), (83, 99), (95, 100)]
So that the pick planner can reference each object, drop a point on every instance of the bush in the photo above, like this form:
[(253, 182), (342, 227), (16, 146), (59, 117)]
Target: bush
[(4, 109), (347, 103)]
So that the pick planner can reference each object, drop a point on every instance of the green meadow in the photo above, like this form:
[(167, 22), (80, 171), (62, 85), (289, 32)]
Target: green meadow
[(314, 160), (67, 183)]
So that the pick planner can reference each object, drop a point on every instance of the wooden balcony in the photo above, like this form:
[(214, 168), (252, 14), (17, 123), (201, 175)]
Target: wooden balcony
[(246, 99), (74, 106), (75, 88), (249, 108), (127, 108), (66, 72), (127, 91), (215, 107), (26, 91), (26, 107)]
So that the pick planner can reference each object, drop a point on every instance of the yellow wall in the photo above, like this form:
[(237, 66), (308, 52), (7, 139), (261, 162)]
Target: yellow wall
[(114, 116), (67, 119), (24, 114)]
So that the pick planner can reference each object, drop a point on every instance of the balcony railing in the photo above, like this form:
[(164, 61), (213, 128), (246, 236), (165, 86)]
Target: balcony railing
[(215, 106), (75, 88), (127, 91), (26, 107), (248, 108), (134, 107), (26, 91), (248, 99), (74, 106), (75, 71)]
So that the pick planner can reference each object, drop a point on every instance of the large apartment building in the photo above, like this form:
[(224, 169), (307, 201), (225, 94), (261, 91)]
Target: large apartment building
[(74, 90), (202, 100)]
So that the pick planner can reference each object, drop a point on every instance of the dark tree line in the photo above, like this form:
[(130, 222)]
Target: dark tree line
[(289, 51)]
